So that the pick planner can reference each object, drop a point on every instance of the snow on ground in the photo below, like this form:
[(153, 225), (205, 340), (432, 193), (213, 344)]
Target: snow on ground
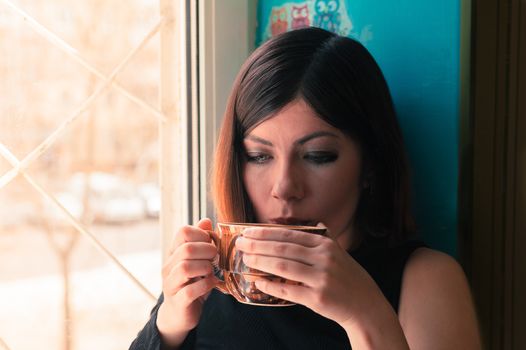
[(107, 308)]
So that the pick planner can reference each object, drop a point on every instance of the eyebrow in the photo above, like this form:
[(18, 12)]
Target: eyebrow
[(300, 141)]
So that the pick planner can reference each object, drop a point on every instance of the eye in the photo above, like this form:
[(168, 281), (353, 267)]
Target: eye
[(257, 157), (332, 6), (320, 157), (321, 6)]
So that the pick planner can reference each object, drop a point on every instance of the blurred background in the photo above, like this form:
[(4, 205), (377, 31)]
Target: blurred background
[(57, 290)]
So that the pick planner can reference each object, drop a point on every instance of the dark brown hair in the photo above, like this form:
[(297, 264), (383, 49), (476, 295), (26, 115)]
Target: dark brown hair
[(342, 83)]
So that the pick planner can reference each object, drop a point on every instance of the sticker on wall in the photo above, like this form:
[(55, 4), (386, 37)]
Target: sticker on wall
[(331, 15), (327, 16)]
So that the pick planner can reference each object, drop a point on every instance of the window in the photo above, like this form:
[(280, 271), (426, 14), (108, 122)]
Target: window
[(80, 90), (103, 104)]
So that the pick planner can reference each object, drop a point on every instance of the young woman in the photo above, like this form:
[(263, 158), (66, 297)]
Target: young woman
[(309, 137)]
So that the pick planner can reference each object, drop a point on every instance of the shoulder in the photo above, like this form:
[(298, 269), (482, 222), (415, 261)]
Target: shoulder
[(426, 263), (436, 309)]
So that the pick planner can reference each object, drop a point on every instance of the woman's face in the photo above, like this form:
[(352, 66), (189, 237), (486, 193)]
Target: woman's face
[(300, 170)]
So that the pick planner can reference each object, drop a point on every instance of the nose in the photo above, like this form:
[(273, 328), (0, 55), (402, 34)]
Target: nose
[(288, 183)]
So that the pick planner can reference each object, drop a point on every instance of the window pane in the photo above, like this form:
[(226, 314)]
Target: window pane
[(55, 283)]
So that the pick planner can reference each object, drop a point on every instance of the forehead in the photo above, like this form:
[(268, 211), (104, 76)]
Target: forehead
[(294, 120)]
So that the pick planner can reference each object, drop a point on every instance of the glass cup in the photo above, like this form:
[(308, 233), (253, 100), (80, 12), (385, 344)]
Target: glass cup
[(237, 279)]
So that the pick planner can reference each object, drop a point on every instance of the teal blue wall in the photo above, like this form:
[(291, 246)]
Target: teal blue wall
[(416, 43)]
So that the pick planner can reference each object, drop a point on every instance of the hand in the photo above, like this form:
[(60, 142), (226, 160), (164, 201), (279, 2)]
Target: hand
[(333, 284), (187, 281)]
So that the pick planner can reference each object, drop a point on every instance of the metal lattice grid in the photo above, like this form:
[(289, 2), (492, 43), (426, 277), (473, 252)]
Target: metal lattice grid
[(19, 166)]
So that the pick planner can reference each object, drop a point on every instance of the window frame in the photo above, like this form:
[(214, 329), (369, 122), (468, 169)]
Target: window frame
[(226, 39)]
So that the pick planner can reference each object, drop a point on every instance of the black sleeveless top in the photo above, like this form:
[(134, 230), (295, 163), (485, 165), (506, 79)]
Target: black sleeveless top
[(228, 324)]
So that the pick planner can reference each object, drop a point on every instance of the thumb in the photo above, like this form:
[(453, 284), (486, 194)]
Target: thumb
[(205, 224)]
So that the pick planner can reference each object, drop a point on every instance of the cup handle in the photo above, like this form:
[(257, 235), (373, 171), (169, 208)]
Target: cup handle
[(221, 286)]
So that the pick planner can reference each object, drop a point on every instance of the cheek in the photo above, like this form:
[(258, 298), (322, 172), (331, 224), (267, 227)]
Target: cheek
[(337, 196), (255, 184), (337, 191)]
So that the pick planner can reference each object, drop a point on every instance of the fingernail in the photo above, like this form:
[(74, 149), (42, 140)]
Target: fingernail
[(247, 232), (239, 240)]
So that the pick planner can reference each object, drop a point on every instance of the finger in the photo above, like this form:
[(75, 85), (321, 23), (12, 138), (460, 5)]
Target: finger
[(189, 251), (291, 251), (288, 269), (205, 224), (192, 291), (186, 270), (306, 239), (195, 251), (298, 294), (188, 234)]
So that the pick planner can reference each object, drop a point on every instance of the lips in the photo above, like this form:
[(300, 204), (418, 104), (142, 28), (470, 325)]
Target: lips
[(292, 221)]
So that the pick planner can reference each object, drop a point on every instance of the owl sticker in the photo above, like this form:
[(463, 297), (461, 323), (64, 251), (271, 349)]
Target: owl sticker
[(300, 16), (278, 19), (327, 16)]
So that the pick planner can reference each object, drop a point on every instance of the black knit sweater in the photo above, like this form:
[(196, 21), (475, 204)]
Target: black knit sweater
[(228, 324)]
